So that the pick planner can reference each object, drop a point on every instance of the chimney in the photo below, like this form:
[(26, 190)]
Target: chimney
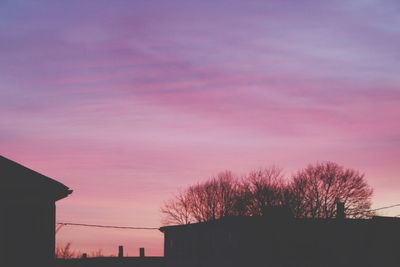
[(120, 251), (340, 215)]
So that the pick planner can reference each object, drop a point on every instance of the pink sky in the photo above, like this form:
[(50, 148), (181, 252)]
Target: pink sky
[(127, 101)]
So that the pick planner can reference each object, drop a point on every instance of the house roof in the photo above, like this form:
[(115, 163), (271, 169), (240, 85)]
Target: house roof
[(16, 179), (254, 221)]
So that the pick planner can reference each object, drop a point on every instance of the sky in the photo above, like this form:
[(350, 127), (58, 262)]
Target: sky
[(127, 102)]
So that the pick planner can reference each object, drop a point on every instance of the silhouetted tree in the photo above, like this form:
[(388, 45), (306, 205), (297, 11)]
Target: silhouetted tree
[(65, 252), (178, 210), (312, 193), (315, 190), (226, 195), (210, 200), (215, 198), (266, 188)]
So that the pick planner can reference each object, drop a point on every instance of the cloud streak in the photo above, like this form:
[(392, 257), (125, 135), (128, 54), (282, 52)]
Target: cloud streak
[(128, 102)]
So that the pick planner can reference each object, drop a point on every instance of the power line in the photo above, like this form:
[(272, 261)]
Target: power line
[(387, 207), (372, 210), (61, 224), (107, 226)]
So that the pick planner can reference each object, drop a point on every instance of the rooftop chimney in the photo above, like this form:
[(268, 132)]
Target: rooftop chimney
[(340, 215), (141, 252), (120, 251)]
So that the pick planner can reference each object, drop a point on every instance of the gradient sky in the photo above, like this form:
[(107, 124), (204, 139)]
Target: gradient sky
[(128, 101)]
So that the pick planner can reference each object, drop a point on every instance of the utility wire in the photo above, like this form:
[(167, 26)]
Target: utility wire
[(387, 207), (107, 226), (372, 210), (61, 224)]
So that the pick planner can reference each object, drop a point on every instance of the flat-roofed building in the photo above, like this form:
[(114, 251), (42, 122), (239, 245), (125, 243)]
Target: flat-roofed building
[(279, 240)]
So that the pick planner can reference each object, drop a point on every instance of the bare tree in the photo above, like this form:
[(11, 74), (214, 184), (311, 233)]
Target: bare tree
[(214, 198), (178, 210), (65, 252), (312, 193), (210, 200), (315, 190), (243, 200), (266, 189)]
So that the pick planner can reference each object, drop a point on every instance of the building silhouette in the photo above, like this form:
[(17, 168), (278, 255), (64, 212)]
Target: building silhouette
[(279, 240), (112, 262), (27, 207)]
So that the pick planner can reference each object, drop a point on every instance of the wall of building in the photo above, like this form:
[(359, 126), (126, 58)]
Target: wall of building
[(288, 243), (27, 232)]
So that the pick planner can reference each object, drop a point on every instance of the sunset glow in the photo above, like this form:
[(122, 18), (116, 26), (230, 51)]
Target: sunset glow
[(126, 102)]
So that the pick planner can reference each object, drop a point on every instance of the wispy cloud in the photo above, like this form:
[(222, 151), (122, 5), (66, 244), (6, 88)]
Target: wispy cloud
[(139, 98)]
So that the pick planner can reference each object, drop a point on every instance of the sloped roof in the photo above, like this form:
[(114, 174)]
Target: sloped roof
[(17, 179)]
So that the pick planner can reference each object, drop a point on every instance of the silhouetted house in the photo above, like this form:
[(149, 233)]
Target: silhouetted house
[(27, 222), (284, 241)]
